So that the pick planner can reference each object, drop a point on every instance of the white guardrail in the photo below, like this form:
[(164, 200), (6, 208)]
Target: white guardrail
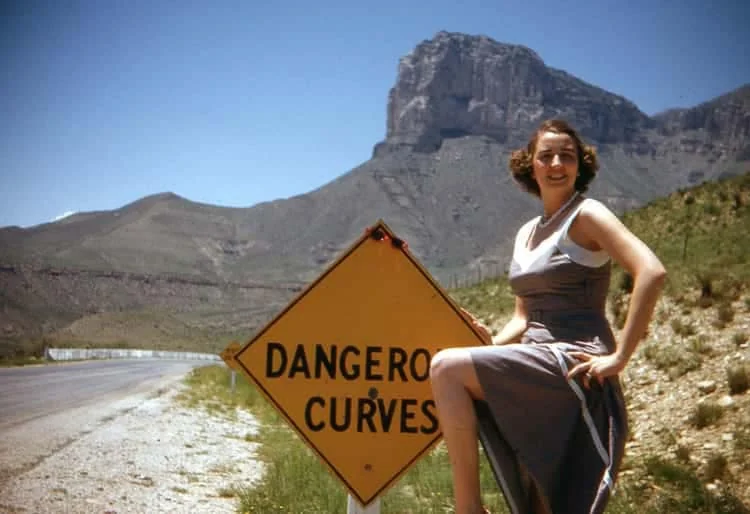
[(68, 354)]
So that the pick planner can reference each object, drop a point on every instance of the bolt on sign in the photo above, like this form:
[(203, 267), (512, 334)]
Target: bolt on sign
[(347, 361), (228, 353)]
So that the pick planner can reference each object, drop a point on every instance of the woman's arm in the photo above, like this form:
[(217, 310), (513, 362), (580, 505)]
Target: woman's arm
[(599, 228), (510, 333), (513, 329)]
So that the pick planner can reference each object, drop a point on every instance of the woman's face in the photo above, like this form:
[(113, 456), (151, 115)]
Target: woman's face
[(555, 163)]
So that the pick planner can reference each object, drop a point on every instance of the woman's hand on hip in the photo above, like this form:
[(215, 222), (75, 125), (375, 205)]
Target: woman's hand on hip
[(596, 367)]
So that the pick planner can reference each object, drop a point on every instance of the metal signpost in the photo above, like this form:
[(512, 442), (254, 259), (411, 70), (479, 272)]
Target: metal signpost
[(346, 363), (227, 356)]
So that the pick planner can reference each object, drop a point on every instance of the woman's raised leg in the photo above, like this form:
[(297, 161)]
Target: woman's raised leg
[(455, 386)]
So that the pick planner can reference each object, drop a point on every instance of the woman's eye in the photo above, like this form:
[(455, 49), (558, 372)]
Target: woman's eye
[(547, 156)]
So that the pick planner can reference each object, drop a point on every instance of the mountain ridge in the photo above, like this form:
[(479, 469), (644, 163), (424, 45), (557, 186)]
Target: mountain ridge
[(439, 179)]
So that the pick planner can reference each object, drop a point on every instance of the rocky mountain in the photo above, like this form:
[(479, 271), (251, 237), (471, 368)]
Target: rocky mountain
[(439, 179), (723, 119), (456, 85)]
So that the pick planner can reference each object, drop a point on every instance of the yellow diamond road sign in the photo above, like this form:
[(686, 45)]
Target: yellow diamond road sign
[(347, 362)]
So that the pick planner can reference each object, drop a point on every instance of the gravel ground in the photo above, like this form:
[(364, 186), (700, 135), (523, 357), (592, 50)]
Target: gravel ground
[(141, 454)]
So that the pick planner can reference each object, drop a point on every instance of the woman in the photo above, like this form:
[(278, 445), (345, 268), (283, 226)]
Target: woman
[(546, 395)]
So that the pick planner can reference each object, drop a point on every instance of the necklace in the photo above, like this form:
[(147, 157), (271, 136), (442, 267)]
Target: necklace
[(544, 222)]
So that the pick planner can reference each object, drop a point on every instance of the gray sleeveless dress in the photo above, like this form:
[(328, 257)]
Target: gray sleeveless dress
[(534, 423)]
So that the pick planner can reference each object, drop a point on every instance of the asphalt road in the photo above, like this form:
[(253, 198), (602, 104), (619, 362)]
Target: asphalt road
[(31, 392)]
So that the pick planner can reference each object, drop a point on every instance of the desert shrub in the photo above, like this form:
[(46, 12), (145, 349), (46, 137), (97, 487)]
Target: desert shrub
[(738, 379), (700, 344), (724, 314), (683, 328), (672, 358), (625, 282), (706, 283), (682, 453), (739, 338), (716, 467), (706, 414)]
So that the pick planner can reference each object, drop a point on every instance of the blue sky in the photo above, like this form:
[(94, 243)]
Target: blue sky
[(235, 103)]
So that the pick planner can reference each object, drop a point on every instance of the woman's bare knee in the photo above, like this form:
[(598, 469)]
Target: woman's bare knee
[(447, 364), (455, 365)]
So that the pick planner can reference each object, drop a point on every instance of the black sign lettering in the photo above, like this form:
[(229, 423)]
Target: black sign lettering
[(386, 416), (346, 422), (407, 415), (365, 413), (329, 362), (354, 373), (371, 415), (315, 427), (428, 409), (425, 365), (397, 359), (323, 359), (275, 349), (371, 362), (299, 363)]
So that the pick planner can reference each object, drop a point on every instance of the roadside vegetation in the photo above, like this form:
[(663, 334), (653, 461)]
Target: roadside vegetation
[(295, 480), (23, 352)]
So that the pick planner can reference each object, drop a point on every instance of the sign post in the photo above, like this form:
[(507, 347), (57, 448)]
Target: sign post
[(347, 363), (353, 506), (227, 356)]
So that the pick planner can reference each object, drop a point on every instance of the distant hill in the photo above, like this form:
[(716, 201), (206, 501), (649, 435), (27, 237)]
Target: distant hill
[(439, 178)]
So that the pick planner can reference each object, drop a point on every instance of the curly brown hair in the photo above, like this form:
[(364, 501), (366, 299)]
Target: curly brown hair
[(521, 161)]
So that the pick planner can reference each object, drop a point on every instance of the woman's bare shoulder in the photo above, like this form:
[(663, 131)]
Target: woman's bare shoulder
[(594, 210)]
